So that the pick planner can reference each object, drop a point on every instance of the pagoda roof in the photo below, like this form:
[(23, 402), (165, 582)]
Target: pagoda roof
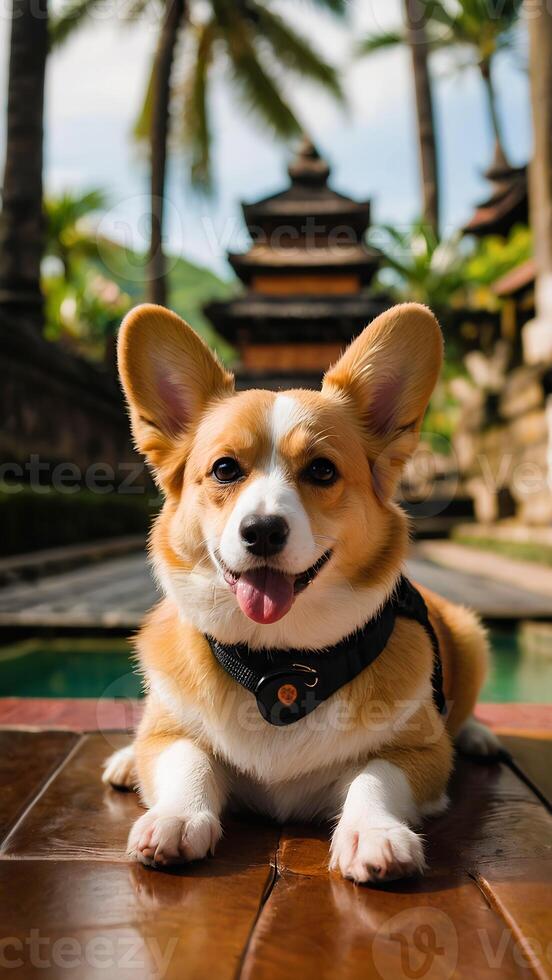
[(308, 193), (278, 319), (517, 279), (507, 205), (266, 259)]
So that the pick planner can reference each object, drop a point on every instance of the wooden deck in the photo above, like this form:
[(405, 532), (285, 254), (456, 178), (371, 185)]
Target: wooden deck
[(116, 594), (266, 908)]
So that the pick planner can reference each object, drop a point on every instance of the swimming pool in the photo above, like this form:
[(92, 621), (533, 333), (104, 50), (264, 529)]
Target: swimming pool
[(521, 668)]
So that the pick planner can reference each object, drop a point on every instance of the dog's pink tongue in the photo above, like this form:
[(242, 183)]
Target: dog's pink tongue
[(264, 594)]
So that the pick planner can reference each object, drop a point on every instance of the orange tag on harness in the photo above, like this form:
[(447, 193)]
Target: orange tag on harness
[(287, 694)]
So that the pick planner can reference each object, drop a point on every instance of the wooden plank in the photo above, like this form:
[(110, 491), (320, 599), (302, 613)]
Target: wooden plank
[(535, 577), (110, 593), (24, 771), (466, 906), (78, 818), (521, 893), (34, 563), (92, 920), (316, 925), (534, 758), (493, 818), (491, 599), (118, 592), (486, 894), (65, 881)]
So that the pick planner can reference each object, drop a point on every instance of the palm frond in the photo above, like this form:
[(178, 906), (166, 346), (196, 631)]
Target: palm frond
[(259, 88), (379, 42), (339, 7), (141, 127), (72, 18), (134, 9), (291, 49), (475, 22), (196, 133), (439, 13), (263, 96)]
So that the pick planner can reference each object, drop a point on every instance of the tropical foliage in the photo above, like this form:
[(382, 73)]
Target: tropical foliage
[(447, 275), (420, 267), (254, 44), (83, 306), (473, 30), (89, 282), (69, 232), (493, 258)]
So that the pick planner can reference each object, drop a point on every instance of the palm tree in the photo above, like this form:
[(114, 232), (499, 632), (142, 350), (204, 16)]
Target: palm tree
[(482, 30), (21, 221), (475, 27), (537, 335), (254, 42), (416, 38)]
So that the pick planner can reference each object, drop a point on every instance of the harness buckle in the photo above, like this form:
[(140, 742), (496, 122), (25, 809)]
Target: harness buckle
[(284, 696)]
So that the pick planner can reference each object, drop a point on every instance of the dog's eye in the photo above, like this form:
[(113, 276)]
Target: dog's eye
[(321, 471), (227, 470)]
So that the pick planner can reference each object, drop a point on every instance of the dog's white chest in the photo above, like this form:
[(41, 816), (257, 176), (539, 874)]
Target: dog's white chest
[(325, 741)]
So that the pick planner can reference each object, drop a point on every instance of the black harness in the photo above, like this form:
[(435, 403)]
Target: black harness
[(289, 684)]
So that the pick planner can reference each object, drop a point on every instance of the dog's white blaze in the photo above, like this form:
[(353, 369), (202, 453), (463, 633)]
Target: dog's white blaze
[(286, 414), (273, 493)]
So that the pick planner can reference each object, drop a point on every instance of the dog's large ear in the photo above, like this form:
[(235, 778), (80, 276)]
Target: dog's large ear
[(387, 375), (169, 376)]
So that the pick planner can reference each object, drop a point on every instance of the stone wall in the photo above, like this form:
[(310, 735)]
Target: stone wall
[(58, 408), (503, 447)]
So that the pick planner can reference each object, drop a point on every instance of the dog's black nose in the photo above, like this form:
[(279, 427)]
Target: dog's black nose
[(264, 535)]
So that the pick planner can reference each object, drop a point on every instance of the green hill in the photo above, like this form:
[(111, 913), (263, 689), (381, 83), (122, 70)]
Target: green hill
[(190, 287)]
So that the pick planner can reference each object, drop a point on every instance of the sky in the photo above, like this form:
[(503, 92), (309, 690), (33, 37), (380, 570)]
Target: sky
[(96, 82)]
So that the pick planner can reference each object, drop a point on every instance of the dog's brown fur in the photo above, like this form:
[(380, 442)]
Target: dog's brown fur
[(367, 419)]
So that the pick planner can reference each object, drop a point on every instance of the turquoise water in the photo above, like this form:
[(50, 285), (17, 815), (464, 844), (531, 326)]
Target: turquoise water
[(68, 669), (521, 668)]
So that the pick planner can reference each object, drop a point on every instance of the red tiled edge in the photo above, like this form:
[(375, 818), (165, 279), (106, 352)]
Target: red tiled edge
[(508, 717), (74, 714), (91, 714)]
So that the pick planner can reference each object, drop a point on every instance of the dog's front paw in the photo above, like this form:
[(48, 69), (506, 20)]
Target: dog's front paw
[(119, 770), (163, 838), (365, 853)]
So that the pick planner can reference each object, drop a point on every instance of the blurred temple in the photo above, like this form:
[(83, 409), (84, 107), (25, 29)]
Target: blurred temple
[(306, 275), (508, 204)]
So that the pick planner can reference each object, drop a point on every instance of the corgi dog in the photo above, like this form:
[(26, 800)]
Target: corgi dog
[(280, 551)]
